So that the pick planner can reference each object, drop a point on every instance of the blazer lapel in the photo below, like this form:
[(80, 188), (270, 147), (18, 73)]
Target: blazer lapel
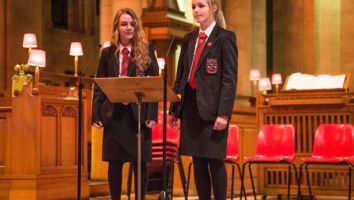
[(114, 62), (209, 44), (191, 47)]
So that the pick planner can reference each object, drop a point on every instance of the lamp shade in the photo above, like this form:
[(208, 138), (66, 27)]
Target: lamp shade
[(29, 40), (106, 44), (161, 63), (264, 84), (276, 79), (254, 74), (76, 49), (37, 58)]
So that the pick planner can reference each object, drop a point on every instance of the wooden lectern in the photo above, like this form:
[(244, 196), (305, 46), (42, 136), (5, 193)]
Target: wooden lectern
[(135, 89)]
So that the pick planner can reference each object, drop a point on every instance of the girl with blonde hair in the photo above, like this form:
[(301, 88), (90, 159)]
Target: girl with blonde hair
[(206, 79)]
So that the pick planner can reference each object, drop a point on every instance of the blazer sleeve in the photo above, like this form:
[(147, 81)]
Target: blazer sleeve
[(176, 106), (153, 70), (98, 96), (229, 74)]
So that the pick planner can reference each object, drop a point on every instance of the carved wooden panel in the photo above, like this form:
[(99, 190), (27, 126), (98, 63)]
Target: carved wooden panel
[(69, 141), (5, 122), (49, 110), (3, 131), (58, 134), (49, 141), (69, 111), (68, 136)]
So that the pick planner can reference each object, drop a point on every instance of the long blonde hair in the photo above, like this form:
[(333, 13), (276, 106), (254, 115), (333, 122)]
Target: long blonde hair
[(140, 45), (218, 15)]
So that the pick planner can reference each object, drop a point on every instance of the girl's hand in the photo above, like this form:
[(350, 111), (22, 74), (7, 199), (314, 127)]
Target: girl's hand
[(150, 123), (98, 124), (173, 122), (220, 123)]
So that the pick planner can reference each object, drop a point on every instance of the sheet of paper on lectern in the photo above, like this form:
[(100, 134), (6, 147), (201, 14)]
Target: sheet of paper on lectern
[(299, 81)]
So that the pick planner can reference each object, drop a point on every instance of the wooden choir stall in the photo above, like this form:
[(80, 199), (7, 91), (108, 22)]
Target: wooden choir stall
[(38, 144)]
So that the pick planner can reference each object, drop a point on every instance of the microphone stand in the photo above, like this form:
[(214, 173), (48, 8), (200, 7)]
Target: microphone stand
[(79, 135), (163, 194)]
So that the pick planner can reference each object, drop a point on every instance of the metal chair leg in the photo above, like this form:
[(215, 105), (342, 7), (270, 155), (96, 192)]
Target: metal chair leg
[(182, 175), (242, 179), (242, 186), (253, 188), (289, 180), (188, 180), (170, 179), (308, 179), (350, 182), (296, 179), (232, 180), (299, 181)]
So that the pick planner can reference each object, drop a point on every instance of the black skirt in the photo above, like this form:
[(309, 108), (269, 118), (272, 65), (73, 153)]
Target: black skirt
[(120, 137), (197, 135)]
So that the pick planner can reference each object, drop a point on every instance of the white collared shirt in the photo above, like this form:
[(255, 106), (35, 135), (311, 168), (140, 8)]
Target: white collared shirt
[(207, 32), (121, 47)]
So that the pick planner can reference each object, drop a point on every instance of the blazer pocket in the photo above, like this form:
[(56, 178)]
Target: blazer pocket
[(106, 112)]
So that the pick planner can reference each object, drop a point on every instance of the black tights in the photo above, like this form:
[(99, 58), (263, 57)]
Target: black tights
[(115, 169), (209, 172)]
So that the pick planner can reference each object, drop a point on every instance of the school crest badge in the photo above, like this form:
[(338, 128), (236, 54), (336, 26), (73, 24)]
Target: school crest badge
[(211, 65)]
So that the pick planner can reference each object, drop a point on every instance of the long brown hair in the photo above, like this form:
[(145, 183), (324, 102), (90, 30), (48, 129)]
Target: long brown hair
[(218, 15), (140, 45)]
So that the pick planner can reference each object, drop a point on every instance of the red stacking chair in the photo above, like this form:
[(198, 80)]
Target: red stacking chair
[(275, 145), (333, 145), (232, 157), (172, 145)]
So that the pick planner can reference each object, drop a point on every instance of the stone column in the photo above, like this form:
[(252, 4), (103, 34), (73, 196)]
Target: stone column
[(327, 36), (106, 20), (309, 38), (247, 19), (288, 36), (21, 17), (347, 39)]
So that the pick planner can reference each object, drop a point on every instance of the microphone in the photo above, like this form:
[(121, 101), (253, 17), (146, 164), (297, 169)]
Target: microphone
[(171, 42), (79, 127), (90, 60), (163, 194)]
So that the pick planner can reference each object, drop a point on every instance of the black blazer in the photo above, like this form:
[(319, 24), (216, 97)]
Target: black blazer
[(216, 74), (109, 67)]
